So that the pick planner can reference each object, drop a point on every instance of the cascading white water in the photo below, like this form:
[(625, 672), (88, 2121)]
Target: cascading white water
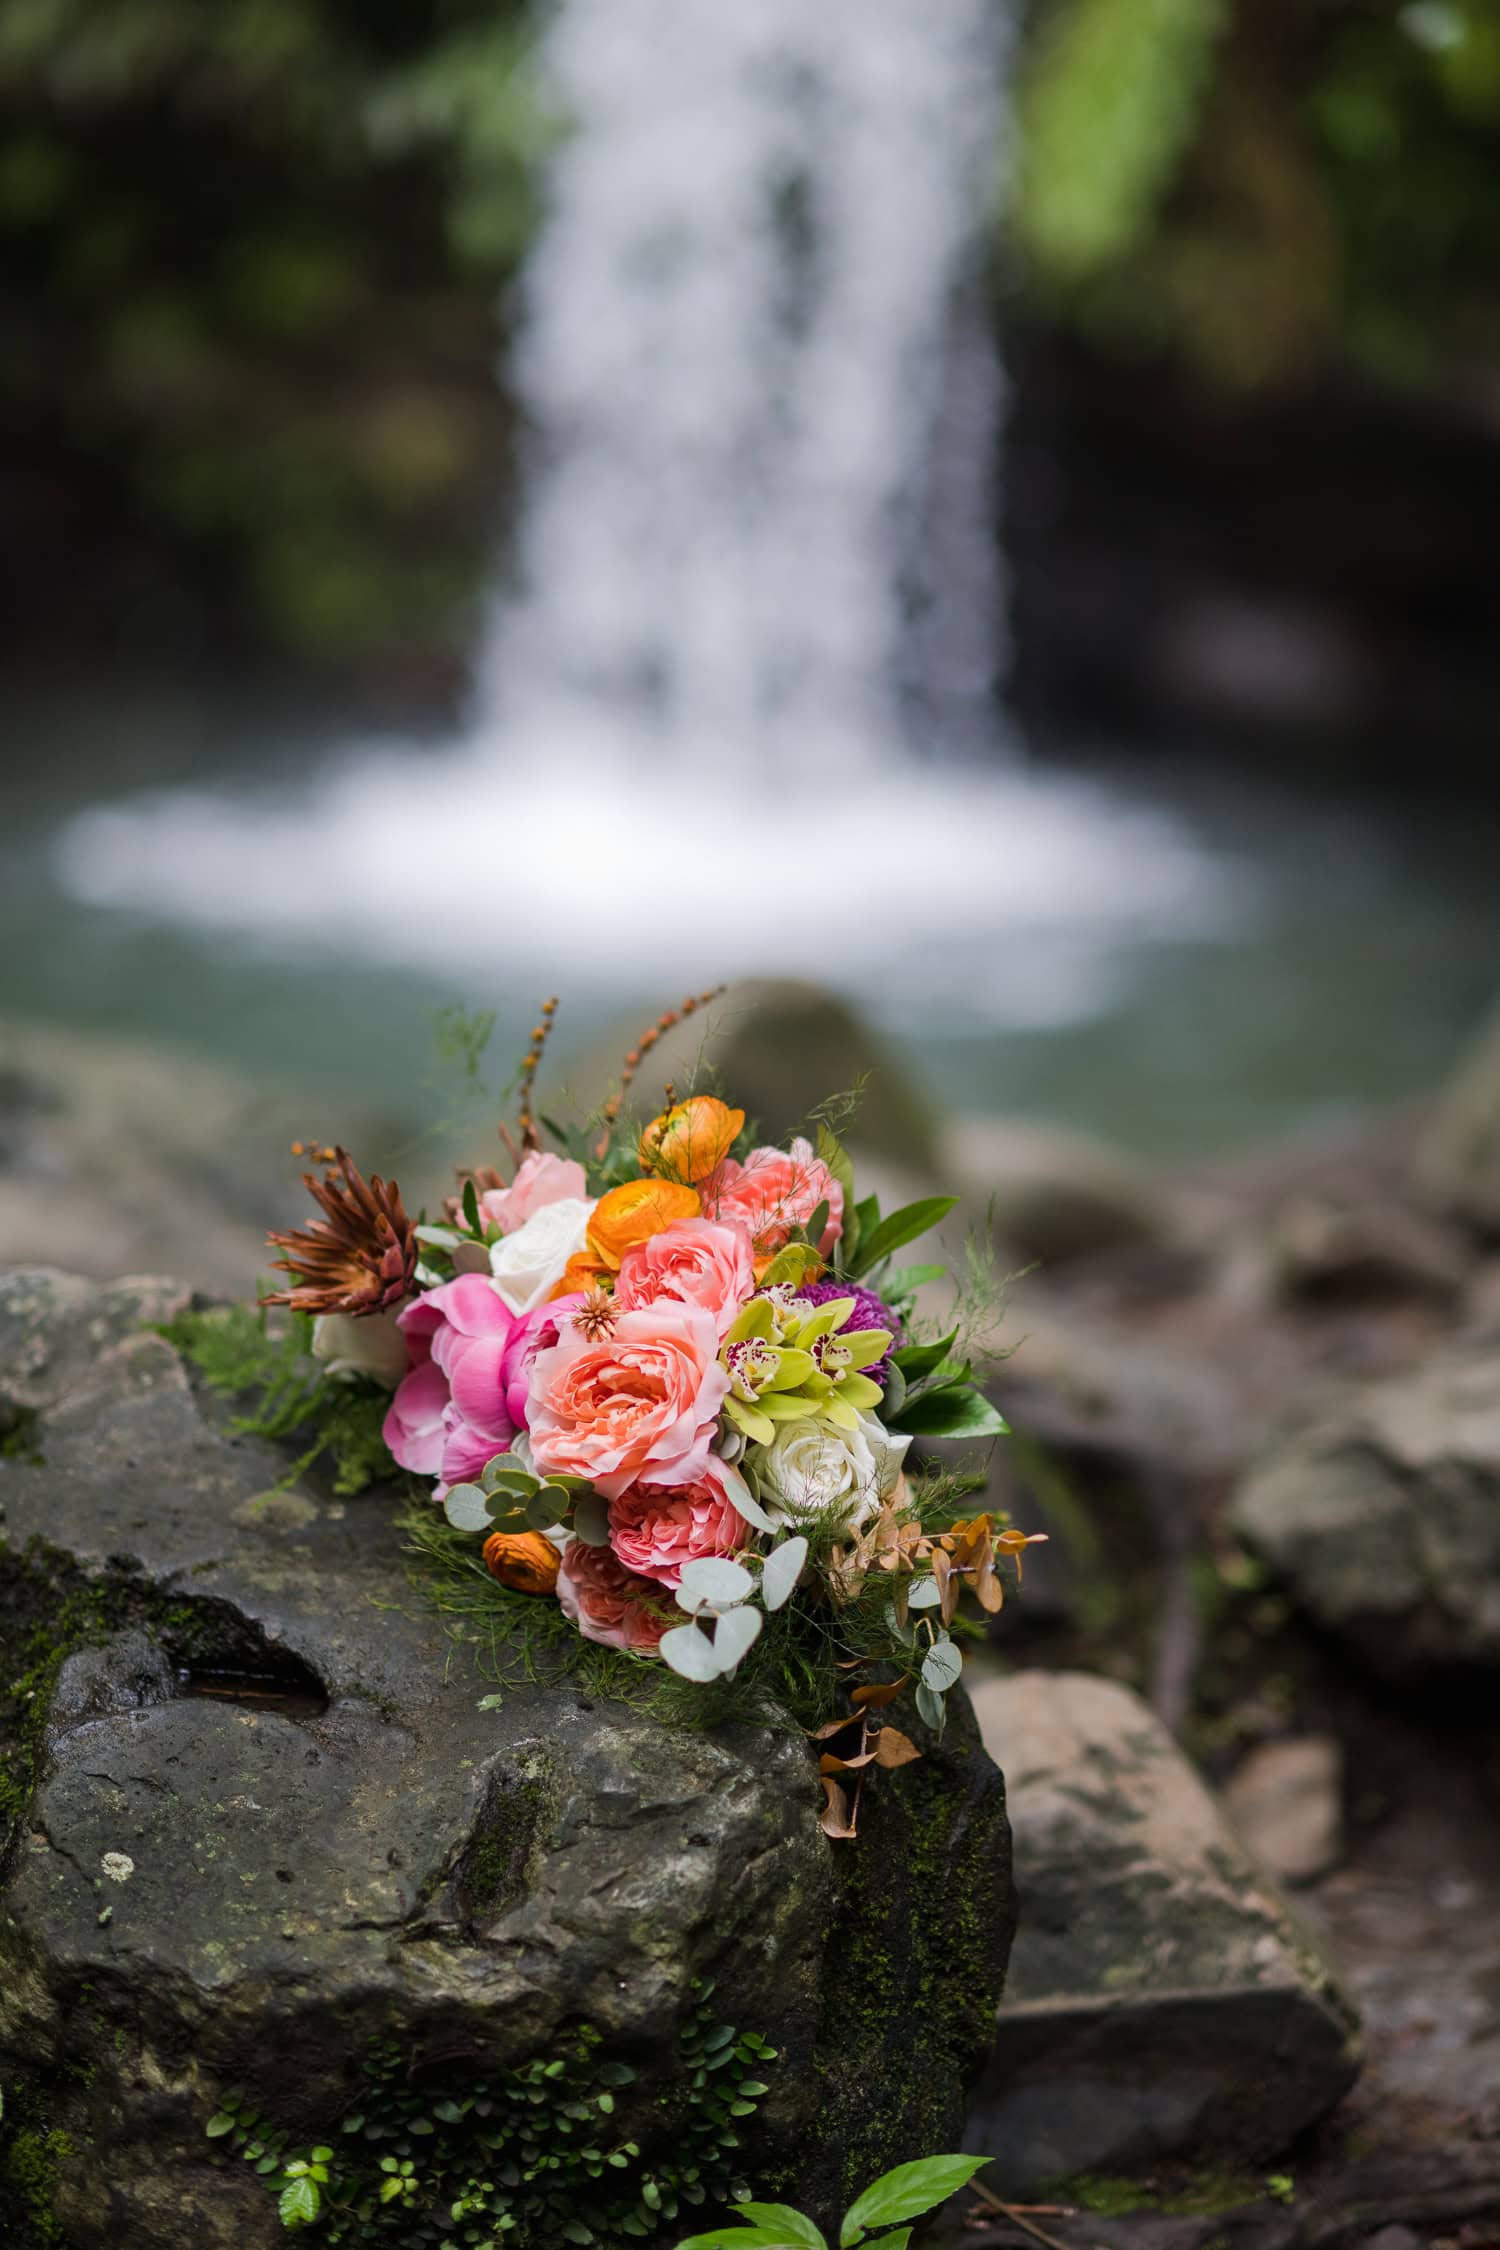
[(687, 756)]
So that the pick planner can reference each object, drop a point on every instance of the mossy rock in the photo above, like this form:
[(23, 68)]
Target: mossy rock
[(262, 1827)]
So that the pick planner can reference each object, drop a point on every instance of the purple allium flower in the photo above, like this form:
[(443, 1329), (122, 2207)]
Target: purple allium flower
[(868, 1312)]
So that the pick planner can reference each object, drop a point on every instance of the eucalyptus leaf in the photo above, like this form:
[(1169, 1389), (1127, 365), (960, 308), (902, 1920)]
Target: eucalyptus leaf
[(783, 1568), (713, 1579), (931, 1709), (749, 1507), (467, 1507), (923, 1593), (590, 1518), (541, 1510), (735, 1635), (690, 1653), (942, 1667)]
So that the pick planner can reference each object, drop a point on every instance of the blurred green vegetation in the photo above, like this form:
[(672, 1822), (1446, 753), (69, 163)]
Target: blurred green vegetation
[(252, 256), (1267, 188)]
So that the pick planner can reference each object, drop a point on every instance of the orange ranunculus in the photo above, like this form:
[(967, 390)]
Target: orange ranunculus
[(522, 1560), (633, 1213), (690, 1140), (582, 1274)]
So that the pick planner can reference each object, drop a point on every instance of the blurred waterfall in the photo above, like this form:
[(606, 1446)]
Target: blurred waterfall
[(736, 351), (755, 578)]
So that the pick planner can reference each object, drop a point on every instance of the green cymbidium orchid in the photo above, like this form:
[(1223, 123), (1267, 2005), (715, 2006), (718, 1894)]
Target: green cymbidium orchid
[(787, 1360)]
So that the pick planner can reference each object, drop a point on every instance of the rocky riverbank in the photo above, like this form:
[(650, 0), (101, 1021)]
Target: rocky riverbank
[(1258, 1411)]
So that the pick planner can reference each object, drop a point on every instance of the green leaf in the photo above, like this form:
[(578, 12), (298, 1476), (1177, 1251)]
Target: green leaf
[(817, 1222), (795, 2225), (907, 2192), (903, 1226), (897, 2241), (832, 1152), (220, 2123), (471, 1207), (757, 2238), (299, 2203), (892, 1395), (953, 1411), (919, 1360), (902, 1280), (931, 1708)]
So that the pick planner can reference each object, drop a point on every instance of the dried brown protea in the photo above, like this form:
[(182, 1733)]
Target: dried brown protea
[(361, 1258)]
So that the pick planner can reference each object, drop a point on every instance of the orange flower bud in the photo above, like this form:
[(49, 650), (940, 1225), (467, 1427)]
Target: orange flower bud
[(692, 1139), (633, 1213), (522, 1560), (582, 1273)]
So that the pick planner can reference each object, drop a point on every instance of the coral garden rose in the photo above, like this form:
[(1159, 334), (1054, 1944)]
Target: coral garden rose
[(633, 1213), (655, 1528), (541, 1179), (772, 1192), (449, 1415), (642, 1401), (607, 1603), (523, 1560), (816, 1471), (691, 1139), (692, 1262), (528, 1265)]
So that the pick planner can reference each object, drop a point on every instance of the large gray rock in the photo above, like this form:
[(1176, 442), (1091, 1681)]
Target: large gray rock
[(117, 1156), (1162, 1999), (259, 1822), (1053, 1194), (1379, 1506), (780, 1048)]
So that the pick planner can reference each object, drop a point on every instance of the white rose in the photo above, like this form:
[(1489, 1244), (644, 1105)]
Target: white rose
[(814, 1468), (528, 1264), (371, 1345)]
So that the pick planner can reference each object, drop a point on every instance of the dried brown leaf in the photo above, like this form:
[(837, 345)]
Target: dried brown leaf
[(893, 1748), (878, 1694), (837, 1819)]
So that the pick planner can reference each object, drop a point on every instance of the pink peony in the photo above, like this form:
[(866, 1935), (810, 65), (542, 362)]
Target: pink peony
[(642, 1401), (691, 1262), (655, 1528), (449, 1414), (605, 1602), (536, 1331), (773, 1191), (542, 1179)]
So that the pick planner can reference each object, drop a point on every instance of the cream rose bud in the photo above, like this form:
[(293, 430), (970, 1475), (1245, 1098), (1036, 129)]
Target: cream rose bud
[(814, 1468), (373, 1345), (527, 1265)]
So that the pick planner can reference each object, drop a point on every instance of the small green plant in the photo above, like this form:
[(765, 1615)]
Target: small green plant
[(530, 2157), (905, 2193), (1281, 2187), (236, 1351)]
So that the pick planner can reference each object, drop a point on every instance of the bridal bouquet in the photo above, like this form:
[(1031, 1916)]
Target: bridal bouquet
[(671, 1377)]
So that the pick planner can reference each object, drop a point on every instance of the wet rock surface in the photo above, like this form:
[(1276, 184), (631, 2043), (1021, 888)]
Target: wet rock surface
[(1380, 1509), (270, 1825), (1162, 1999)]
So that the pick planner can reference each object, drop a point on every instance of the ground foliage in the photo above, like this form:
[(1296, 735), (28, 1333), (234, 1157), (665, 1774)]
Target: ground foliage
[(467, 2158)]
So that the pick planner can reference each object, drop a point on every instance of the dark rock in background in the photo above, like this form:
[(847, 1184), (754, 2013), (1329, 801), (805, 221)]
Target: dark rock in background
[(1162, 2000)]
